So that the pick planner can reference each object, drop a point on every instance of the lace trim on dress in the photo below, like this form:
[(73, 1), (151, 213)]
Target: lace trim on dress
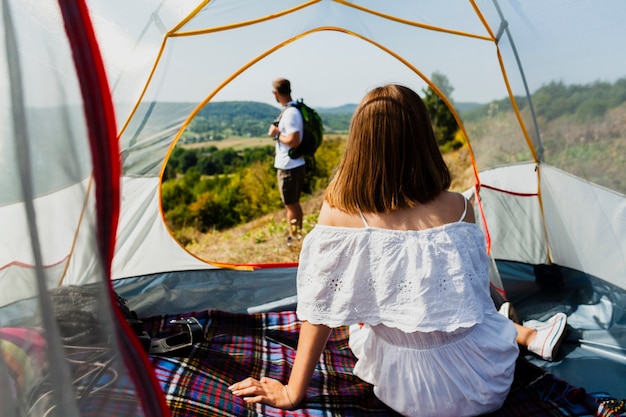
[(426, 280)]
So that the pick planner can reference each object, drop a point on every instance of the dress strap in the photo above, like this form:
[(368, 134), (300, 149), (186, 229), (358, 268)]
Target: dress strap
[(363, 218), (464, 210)]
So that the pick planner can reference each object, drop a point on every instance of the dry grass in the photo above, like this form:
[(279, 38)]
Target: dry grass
[(264, 240), (460, 165), (260, 241)]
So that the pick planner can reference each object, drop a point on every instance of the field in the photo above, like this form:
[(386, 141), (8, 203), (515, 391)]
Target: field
[(234, 142)]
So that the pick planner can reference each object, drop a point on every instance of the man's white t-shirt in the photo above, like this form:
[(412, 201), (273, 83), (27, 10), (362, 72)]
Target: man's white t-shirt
[(290, 121)]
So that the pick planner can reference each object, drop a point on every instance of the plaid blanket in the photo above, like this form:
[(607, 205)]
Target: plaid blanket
[(235, 346)]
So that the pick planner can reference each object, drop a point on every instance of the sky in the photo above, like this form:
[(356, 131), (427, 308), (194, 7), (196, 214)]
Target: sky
[(339, 80), (331, 69)]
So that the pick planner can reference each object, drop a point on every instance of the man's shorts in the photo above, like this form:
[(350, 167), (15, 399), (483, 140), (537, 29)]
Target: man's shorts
[(290, 184)]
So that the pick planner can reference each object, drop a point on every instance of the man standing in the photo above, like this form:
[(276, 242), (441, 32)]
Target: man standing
[(288, 131)]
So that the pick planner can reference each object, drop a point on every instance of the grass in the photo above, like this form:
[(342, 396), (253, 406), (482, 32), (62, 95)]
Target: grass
[(260, 241)]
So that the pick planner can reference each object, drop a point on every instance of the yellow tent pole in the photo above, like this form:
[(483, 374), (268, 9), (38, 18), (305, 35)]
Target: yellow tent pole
[(534, 153), (320, 29), (522, 126), (145, 88), (175, 33), (411, 22), (191, 15), (483, 20), (342, 2), (274, 49), (156, 63), (244, 23)]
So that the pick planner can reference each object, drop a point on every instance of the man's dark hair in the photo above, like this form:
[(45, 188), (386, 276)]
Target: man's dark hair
[(282, 86)]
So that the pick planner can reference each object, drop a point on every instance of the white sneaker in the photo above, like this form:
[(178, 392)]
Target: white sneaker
[(505, 309), (549, 336)]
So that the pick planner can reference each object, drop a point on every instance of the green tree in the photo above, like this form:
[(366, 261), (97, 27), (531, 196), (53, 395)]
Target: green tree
[(188, 160), (258, 190), (444, 123), (174, 194), (207, 165), (247, 191)]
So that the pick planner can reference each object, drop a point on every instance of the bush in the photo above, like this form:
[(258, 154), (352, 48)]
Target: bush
[(249, 191)]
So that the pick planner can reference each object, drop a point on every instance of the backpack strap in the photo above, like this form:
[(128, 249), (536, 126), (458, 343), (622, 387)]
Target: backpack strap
[(290, 104)]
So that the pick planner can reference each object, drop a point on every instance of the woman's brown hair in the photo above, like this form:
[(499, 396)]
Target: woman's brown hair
[(392, 160)]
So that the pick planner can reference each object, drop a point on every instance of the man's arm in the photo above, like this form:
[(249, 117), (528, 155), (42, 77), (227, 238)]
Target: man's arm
[(290, 139), (291, 122)]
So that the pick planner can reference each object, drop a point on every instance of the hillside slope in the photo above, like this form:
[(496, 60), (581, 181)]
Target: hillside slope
[(263, 240)]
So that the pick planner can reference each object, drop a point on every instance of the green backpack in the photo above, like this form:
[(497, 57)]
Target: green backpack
[(313, 131)]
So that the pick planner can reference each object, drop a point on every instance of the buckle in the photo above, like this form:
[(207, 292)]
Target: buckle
[(191, 332)]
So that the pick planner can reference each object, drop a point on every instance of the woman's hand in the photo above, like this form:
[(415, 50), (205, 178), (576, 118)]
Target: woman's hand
[(272, 392), (266, 390)]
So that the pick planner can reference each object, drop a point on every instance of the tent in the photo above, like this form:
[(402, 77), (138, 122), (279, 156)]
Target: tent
[(88, 124)]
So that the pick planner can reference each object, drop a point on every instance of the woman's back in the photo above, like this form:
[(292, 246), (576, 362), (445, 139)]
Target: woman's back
[(447, 207), (398, 258), (428, 337)]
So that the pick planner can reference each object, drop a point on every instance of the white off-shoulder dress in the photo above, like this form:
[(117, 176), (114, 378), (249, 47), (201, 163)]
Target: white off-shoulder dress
[(423, 327)]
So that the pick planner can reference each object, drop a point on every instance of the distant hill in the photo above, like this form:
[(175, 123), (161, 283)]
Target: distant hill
[(232, 109), (467, 106), (223, 119), (220, 120), (346, 108), (254, 107)]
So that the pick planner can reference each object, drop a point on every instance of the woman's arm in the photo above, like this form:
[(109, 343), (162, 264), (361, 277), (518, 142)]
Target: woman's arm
[(311, 343)]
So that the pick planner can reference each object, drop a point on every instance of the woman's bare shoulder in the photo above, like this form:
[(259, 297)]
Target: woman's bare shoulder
[(332, 216), (455, 204)]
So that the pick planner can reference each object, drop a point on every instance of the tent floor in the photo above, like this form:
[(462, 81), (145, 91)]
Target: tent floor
[(236, 346), (593, 354)]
